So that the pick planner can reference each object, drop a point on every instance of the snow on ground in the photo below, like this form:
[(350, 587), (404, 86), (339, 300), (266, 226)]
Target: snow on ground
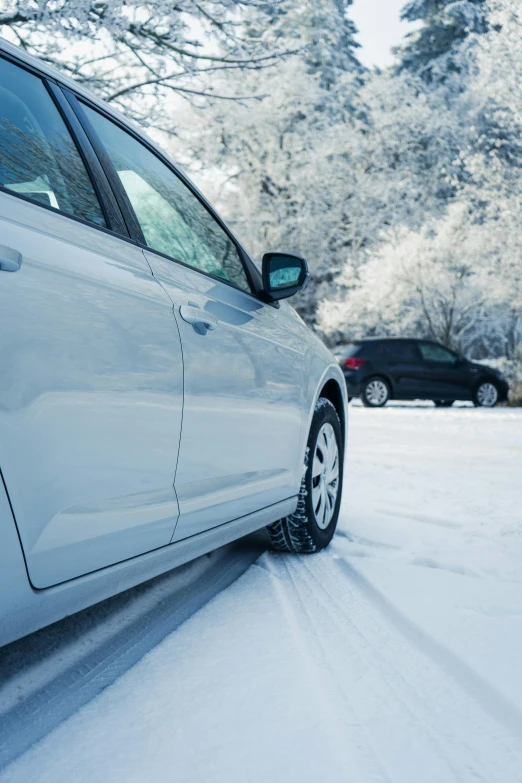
[(392, 657)]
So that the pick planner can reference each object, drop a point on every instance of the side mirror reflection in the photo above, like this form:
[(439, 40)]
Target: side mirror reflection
[(283, 275)]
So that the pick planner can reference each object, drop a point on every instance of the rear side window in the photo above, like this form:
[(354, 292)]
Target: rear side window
[(173, 220), (402, 352), (38, 157), (436, 353)]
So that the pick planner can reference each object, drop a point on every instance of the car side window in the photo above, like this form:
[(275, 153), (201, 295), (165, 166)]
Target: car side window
[(38, 157), (173, 220), (402, 352), (436, 353)]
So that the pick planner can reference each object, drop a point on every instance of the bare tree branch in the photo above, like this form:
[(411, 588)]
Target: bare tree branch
[(147, 52)]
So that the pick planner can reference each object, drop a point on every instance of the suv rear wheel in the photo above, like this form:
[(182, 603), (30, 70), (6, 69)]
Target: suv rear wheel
[(375, 393), (312, 526)]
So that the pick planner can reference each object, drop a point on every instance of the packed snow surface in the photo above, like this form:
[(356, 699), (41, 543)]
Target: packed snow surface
[(393, 657)]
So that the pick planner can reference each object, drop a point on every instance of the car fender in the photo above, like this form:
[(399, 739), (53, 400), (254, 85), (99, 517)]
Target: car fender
[(322, 368)]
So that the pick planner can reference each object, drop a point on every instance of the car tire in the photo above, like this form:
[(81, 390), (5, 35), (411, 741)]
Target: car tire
[(486, 395), (443, 403), (312, 526), (375, 393)]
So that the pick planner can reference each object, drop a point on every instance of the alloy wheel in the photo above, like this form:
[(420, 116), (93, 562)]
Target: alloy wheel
[(376, 393), (487, 395), (325, 476)]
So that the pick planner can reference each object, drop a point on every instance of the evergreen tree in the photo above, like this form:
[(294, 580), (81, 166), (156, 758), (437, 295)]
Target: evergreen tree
[(432, 51), (325, 32)]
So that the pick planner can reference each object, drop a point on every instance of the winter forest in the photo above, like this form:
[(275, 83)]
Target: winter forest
[(402, 187)]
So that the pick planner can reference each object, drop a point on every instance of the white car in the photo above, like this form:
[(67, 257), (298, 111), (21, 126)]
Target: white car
[(157, 399)]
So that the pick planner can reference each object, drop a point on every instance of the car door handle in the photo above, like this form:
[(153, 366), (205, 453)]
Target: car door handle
[(198, 317), (10, 260)]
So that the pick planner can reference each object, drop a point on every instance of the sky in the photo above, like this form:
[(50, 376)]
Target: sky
[(380, 28)]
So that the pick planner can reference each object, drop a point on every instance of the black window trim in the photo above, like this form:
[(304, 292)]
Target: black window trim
[(252, 273), (102, 187), (131, 221), (92, 168), (415, 345)]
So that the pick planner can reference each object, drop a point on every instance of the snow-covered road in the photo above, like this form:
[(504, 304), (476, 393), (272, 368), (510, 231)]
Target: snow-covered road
[(392, 657)]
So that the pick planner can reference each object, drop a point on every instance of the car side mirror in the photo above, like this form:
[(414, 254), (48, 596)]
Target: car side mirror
[(283, 275)]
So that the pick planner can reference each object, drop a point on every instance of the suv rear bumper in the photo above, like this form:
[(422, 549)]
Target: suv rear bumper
[(353, 383)]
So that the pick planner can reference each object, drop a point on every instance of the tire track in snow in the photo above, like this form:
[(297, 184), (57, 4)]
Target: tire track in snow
[(464, 676), (416, 706), (333, 704), (421, 734), (452, 703), (377, 709), (368, 745)]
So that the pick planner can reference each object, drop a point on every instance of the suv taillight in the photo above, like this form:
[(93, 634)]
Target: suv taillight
[(353, 363)]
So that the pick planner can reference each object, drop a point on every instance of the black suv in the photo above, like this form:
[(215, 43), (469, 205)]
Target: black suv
[(379, 370)]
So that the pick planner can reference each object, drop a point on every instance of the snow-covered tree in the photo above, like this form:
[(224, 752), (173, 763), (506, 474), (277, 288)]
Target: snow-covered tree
[(495, 91), (138, 55), (424, 283), (324, 30), (449, 263), (278, 154), (433, 51), (402, 188)]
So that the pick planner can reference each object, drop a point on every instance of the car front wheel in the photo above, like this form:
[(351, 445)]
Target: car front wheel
[(486, 395), (376, 393), (312, 526)]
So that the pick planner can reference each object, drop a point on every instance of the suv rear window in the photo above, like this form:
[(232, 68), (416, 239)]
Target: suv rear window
[(363, 349), (347, 351)]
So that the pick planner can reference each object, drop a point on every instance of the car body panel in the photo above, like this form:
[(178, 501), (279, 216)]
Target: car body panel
[(407, 375), (15, 589), (24, 610), (447, 382), (91, 405), (91, 392), (244, 402)]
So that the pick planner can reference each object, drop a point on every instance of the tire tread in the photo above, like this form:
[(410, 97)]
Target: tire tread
[(290, 534)]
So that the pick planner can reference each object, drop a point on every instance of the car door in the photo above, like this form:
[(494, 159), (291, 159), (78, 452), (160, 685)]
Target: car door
[(405, 366), (90, 356), (446, 377), (243, 360)]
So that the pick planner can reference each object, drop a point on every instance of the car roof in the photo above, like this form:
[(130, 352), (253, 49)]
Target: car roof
[(385, 340)]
